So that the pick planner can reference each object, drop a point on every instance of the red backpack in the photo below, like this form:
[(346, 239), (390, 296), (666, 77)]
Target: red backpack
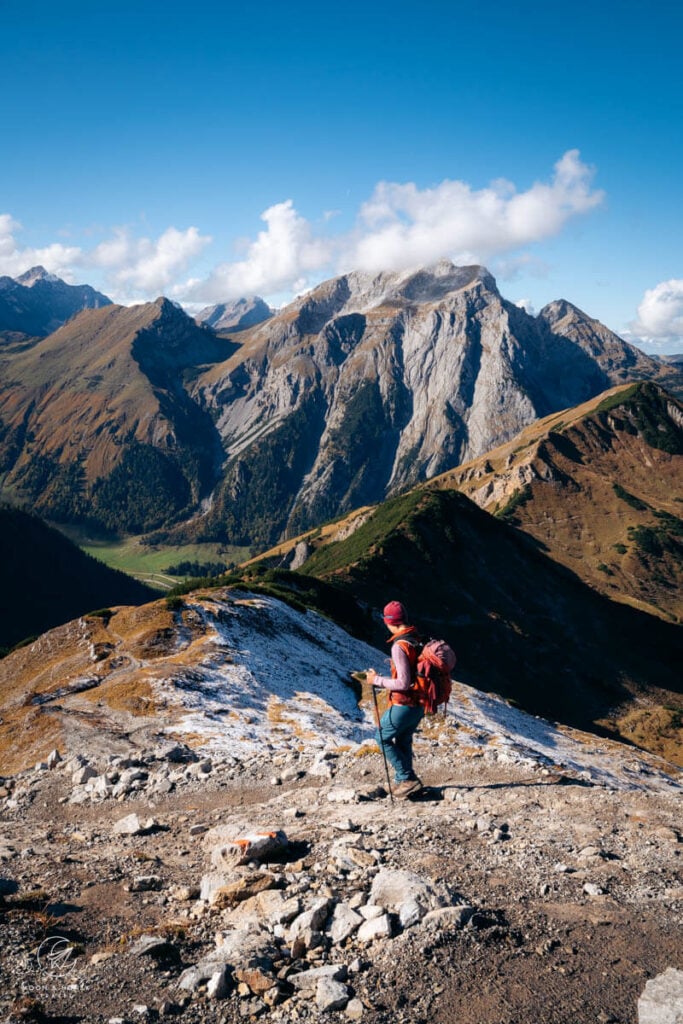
[(435, 663)]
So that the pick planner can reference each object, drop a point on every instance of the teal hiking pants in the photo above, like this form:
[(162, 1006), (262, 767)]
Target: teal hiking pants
[(396, 729)]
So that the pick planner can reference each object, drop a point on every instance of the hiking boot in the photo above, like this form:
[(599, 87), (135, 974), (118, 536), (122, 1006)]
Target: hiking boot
[(407, 788)]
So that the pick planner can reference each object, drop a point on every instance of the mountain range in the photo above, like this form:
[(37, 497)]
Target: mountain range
[(139, 419)]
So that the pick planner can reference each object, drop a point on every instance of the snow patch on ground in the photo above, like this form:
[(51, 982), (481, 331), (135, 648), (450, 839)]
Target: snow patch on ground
[(518, 737), (269, 677)]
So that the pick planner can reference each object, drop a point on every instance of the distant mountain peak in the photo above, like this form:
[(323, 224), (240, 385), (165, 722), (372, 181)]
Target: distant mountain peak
[(35, 274), (237, 314), (560, 309), (38, 302)]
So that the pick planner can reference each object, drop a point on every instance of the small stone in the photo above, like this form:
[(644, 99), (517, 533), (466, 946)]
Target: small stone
[(83, 775), (345, 922), (167, 1008), (53, 759), (152, 945), (294, 812), (331, 995), (218, 986), (591, 889), (410, 913), (370, 912), (307, 981), (311, 920), (198, 830), (145, 883), (345, 825), (354, 1009), (449, 917), (662, 999), (254, 846), (589, 852), (378, 928), (223, 892), (257, 975), (340, 795), (132, 826), (185, 893)]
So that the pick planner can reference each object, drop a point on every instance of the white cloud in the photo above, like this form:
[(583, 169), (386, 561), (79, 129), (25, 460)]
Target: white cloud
[(282, 257), (527, 305), (144, 265), (56, 258), (402, 226), (660, 313)]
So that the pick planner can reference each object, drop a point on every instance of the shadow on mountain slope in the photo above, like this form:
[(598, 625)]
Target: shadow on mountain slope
[(522, 625), (47, 580)]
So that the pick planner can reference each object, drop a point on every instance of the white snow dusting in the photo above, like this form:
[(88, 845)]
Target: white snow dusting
[(267, 676), (272, 676)]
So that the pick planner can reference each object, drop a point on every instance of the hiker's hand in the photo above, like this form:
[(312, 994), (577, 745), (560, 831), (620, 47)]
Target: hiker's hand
[(370, 676)]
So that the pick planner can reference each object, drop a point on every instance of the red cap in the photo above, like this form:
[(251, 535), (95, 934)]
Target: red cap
[(394, 614)]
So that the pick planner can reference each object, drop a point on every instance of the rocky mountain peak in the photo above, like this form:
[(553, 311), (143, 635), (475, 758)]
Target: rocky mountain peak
[(236, 315), (169, 310), (35, 274), (364, 290), (561, 309), (38, 303)]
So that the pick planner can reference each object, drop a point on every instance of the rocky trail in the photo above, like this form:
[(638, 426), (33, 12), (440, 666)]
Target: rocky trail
[(166, 882)]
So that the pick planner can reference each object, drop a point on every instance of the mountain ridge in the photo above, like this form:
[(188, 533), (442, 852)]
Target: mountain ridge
[(105, 389), (600, 487)]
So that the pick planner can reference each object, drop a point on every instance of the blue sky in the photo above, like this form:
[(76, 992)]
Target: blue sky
[(209, 150)]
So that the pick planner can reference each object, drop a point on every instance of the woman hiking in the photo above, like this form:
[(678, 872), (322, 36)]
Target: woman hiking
[(399, 722)]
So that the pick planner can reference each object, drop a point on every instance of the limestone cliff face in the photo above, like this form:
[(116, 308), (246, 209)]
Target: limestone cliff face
[(371, 383), (236, 315)]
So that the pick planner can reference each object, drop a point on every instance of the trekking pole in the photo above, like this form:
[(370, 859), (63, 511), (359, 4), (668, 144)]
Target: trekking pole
[(381, 743)]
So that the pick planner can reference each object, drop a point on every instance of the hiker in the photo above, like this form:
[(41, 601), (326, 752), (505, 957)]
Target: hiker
[(404, 714)]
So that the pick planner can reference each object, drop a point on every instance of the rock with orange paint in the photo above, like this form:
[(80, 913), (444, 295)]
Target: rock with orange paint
[(253, 846)]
